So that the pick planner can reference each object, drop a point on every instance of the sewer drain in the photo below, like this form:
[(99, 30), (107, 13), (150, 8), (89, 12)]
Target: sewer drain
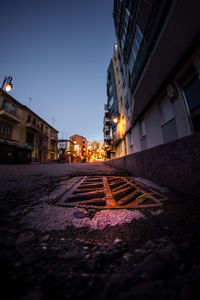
[(102, 192)]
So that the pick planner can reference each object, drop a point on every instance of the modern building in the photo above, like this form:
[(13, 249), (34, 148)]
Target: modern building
[(65, 151), (80, 148), (24, 136), (161, 69), (159, 51), (114, 133), (111, 112)]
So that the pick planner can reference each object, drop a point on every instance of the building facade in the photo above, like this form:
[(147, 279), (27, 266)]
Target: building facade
[(160, 72), (65, 151), (114, 133), (80, 148), (159, 51), (111, 112), (24, 136)]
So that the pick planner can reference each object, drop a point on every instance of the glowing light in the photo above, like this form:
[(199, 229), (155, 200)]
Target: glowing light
[(8, 87), (115, 120), (74, 142)]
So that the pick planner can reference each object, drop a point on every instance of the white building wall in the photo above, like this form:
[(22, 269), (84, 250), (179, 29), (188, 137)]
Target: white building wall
[(181, 115), (153, 126), (136, 138)]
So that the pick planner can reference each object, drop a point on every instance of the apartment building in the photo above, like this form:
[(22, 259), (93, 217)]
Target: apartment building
[(24, 136), (116, 119), (80, 147), (111, 113), (161, 69), (159, 51)]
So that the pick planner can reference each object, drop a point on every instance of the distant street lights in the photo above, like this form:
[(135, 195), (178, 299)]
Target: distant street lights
[(7, 83)]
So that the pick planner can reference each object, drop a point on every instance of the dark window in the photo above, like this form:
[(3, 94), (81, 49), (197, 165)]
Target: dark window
[(191, 89), (14, 109), (30, 138), (29, 119), (5, 105), (5, 129)]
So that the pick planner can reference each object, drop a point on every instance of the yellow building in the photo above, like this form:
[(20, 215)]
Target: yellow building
[(24, 136)]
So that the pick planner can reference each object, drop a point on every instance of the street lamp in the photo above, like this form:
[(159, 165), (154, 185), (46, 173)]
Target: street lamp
[(7, 83), (115, 120)]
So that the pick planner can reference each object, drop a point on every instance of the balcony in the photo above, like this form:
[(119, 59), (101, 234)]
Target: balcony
[(33, 126), (53, 137), (106, 128), (10, 115), (106, 121), (106, 137)]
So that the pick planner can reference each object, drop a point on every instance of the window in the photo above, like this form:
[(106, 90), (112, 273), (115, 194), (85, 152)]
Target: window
[(5, 129), (142, 129), (29, 119), (191, 89), (166, 110), (6, 105), (111, 102), (143, 142), (137, 40), (168, 122), (30, 138), (14, 109), (125, 27), (130, 140), (110, 89)]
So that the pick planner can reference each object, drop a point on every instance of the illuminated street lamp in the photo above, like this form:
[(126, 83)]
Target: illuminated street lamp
[(115, 120), (7, 83)]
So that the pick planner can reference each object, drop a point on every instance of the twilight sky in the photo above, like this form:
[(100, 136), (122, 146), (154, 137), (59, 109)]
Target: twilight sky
[(58, 53)]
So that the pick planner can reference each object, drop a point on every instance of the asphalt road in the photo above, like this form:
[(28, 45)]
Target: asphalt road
[(51, 252)]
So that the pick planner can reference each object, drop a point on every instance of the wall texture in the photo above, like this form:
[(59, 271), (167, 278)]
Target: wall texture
[(175, 165)]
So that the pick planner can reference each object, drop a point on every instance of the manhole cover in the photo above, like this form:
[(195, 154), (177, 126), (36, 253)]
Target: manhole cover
[(110, 192)]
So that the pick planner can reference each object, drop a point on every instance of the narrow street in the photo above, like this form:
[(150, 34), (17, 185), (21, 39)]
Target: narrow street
[(69, 231)]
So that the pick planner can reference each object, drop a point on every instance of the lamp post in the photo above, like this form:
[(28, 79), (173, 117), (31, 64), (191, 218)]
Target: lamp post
[(7, 83)]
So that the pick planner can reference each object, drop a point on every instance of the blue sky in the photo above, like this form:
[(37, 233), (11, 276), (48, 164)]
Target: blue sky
[(58, 53)]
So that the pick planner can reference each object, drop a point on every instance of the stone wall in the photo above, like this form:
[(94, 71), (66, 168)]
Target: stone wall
[(175, 165)]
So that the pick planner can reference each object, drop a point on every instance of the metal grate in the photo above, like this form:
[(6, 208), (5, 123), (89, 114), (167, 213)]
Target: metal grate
[(110, 192)]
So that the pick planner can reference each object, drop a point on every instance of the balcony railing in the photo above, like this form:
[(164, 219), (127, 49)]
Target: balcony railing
[(53, 137), (33, 126), (10, 114), (106, 137), (106, 121), (106, 128)]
